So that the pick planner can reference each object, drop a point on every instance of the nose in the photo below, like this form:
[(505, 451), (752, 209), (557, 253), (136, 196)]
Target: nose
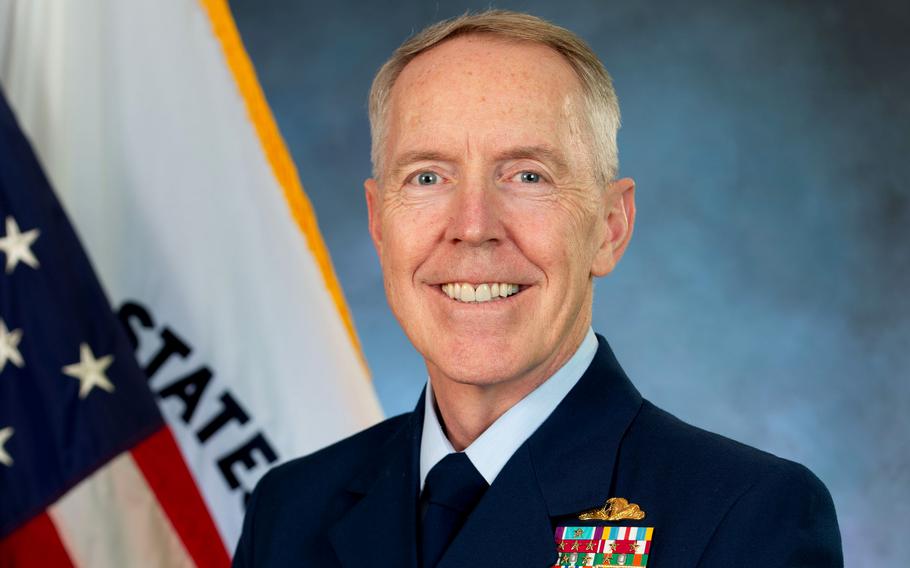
[(475, 214)]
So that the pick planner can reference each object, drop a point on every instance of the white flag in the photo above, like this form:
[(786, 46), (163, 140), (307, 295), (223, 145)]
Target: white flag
[(150, 123)]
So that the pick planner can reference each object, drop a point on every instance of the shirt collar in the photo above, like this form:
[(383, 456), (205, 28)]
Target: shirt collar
[(492, 449)]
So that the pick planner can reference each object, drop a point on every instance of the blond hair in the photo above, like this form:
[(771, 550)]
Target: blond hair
[(602, 106)]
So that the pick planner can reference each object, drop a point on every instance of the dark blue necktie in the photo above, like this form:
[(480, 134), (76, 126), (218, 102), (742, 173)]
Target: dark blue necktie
[(452, 489)]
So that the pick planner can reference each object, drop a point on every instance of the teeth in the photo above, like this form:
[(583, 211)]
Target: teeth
[(483, 293), (464, 292)]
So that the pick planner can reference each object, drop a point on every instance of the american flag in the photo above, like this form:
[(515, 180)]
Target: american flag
[(90, 473)]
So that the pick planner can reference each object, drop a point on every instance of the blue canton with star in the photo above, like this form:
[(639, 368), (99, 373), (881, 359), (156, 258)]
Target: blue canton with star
[(72, 396)]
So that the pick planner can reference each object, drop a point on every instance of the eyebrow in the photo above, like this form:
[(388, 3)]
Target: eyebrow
[(541, 153), (415, 156)]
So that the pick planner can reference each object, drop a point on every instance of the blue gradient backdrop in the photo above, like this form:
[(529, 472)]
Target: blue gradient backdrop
[(765, 293)]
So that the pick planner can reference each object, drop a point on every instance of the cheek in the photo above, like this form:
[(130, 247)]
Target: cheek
[(581, 235), (556, 238), (408, 239)]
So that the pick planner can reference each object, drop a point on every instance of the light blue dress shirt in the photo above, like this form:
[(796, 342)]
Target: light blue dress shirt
[(492, 449)]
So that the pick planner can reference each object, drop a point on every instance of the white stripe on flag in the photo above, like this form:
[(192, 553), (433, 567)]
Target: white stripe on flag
[(113, 519), (145, 124)]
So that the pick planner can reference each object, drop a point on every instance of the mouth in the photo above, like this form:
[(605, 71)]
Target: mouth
[(480, 293)]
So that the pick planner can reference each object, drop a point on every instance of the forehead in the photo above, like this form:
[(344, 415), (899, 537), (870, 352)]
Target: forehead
[(484, 91)]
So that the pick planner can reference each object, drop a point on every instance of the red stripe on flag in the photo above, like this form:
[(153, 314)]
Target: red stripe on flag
[(161, 462), (36, 543)]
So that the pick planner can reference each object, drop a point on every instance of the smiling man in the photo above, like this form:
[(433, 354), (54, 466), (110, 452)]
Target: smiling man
[(493, 206)]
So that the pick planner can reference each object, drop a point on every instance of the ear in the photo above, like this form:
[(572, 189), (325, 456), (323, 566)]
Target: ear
[(371, 190), (619, 220)]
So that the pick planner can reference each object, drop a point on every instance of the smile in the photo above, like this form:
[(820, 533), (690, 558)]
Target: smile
[(463, 292)]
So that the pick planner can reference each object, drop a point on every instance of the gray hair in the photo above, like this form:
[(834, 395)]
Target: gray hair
[(599, 97)]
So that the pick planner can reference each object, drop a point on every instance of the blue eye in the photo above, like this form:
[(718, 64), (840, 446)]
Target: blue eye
[(427, 178), (529, 177)]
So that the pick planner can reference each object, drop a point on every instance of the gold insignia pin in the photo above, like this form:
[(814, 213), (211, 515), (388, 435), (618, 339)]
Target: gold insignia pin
[(615, 509)]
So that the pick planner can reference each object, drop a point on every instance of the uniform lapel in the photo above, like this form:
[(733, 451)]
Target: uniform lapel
[(565, 467), (382, 526), (574, 452)]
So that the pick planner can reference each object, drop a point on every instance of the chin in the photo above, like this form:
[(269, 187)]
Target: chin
[(480, 377), (482, 366)]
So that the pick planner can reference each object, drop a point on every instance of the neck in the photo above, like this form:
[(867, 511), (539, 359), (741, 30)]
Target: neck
[(467, 409)]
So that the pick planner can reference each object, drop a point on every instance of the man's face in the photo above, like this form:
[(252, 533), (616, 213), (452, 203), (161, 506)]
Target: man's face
[(487, 178)]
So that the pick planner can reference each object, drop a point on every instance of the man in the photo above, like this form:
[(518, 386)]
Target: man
[(493, 204)]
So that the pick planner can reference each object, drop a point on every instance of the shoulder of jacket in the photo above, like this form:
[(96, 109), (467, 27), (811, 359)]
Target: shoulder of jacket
[(343, 456), (660, 433)]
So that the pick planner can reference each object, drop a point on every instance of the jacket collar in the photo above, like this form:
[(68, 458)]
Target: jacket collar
[(565, 467), (574, 452)]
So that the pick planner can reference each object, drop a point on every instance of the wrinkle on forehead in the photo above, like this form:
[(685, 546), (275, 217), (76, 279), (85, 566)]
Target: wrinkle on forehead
[(485, 92), (482, 67)]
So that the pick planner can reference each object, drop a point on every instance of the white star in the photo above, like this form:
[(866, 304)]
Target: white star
[(5, 434), (90, 371), (17, 245), (9, 346)]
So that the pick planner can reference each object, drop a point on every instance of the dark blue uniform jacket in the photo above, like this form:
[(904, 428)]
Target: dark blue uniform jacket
[(712, 502)]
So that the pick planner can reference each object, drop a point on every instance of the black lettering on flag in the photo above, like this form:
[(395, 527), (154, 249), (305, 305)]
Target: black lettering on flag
[(173, 345), (189, 389), (132, 310), (231, 411), (244, 455)]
